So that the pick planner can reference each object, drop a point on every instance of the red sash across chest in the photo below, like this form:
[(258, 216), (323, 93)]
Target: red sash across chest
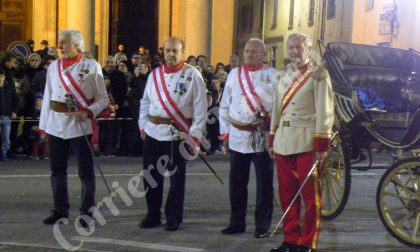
[(69, 84), (252, 99), (297, 83), (167, 102)]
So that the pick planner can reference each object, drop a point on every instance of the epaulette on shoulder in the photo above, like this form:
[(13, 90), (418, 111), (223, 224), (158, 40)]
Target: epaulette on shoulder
[(319, 73)]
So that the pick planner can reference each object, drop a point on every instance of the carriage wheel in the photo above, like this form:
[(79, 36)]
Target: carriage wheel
[(336, 181), (398, 201)]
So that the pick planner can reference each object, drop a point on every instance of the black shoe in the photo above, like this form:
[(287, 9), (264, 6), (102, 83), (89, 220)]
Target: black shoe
[(85, 220), (54, 217), (261, 234), (233, 230), (149, 223), (171, 226), (286, 247), (305, 249)]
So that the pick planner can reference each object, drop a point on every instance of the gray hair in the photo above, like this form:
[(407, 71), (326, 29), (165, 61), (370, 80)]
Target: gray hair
[(76, 38), (302, 37), (256, 41), (34, 55)]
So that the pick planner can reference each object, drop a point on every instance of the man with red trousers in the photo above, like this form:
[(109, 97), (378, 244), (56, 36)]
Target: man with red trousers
[(300, 132)]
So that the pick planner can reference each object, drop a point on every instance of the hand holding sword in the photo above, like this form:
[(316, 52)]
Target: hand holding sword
[(80, 115)]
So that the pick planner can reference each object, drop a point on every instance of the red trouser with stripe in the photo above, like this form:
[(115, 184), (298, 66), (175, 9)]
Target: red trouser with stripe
[(291, 172)]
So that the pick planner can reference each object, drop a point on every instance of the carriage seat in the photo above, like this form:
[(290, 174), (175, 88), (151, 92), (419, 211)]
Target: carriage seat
[(400, 139), (384, 70)]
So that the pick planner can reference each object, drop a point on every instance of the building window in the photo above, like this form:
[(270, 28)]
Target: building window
[(291, 14), (275, 10), (311, 19), (246, 18), (274, 56), (331, 9), (370, 4)]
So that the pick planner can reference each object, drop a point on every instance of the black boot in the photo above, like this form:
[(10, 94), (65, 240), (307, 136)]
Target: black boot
[(306, 249), (233, 230), (286, 247), (148, 222), (86, 220), (54, 217)]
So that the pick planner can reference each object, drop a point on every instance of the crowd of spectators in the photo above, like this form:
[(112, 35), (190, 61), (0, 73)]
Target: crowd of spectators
[(116, 132)]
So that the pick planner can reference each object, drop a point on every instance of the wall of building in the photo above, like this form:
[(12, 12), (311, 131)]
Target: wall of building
[(339, 28), (277, 29), (409, 24), (366, 23), (249, 22)]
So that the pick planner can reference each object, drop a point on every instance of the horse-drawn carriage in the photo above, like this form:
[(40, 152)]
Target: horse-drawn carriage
[(377, 105)]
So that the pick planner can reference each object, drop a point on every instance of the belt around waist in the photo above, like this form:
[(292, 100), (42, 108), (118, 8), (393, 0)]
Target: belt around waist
[(248, 127), (60, 107), (298, 124), (161, 120)]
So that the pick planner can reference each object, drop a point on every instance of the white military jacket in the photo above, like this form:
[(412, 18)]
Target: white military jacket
[(88, 76), (305, 124), (187, 89), (234, 107)]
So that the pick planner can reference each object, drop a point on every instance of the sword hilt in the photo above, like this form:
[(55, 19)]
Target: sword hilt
[(69, 99)]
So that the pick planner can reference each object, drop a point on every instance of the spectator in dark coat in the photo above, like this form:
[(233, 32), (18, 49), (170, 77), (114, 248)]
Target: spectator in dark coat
[(8, 100), (44, 49), (118, 87), (134, 96), (38, 81)]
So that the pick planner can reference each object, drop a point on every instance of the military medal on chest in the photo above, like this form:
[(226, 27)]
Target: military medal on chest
[(82, 72), (180, 86)]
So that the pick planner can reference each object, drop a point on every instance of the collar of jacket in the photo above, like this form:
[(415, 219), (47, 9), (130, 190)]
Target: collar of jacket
[(169, 70), (69, 62), (254, 68)]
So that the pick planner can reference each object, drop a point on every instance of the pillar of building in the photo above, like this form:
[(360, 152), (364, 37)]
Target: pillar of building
[(81, 17), (196, 24), (222, 31), (44, 25), (164, 30), (102, 29)]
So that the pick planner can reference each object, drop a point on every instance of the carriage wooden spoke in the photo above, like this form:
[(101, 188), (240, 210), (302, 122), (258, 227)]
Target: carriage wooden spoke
[(335, 183), (398, 201)]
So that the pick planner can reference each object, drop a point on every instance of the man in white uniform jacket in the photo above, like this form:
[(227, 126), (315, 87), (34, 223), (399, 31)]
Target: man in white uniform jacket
[(174, 106), (65, 127), (245, 112)]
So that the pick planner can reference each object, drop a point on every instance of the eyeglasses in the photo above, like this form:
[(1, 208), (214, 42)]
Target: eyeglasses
[(109, 62), (34, 60)]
